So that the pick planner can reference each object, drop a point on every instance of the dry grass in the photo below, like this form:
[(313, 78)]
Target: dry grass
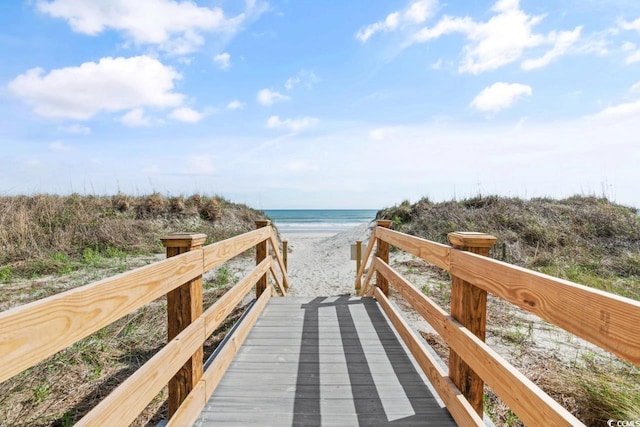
[(584, 239), (47, 234), (587, 240), (63, 388), (54, 243), (592, 384)]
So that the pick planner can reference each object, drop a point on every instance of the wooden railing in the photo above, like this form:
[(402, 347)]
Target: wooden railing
[(35, 331), (604, 319)]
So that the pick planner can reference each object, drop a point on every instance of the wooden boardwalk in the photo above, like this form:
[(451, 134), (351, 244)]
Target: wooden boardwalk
[(323, 361)]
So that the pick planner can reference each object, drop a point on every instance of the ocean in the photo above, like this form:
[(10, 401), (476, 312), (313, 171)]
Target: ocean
[(323, 221)]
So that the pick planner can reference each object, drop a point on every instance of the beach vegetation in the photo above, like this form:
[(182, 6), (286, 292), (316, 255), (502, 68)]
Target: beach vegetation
[(53, 243), (585, 239)]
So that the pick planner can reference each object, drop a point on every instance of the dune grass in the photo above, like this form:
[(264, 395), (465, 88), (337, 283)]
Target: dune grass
[(587, 240), (54, 243)]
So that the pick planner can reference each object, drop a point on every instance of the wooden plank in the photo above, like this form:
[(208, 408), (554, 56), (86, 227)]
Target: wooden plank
[(606, 320), (523, 397), (459, 408), (432, 252), (367, 280), (276, 278), (35, 331), (190, 409), (126, 402), (215, 372), (221, 252), (213, 375), (184, 306), (367, 254), (283, 268), (469, 307), (193, 405), (382, 252), (261, 255), (218, 312)]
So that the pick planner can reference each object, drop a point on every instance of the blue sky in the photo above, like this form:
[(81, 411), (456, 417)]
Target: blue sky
[(323, 104)]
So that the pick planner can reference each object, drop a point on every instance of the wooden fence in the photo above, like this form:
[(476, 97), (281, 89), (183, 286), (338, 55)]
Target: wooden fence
[(35, 331), (604, 319)]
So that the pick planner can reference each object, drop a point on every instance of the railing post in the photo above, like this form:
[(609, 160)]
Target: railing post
[(469, 307), (358, 263), (382, 252), (184, 306), (261, 255), (285, 254)]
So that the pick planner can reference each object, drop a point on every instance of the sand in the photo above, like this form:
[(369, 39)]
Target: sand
[(320, 263)]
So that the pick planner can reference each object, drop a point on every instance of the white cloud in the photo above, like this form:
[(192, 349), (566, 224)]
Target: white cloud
[(501, 40), (76, 129), (307, 78), (186, 114), (635, 87), (59, 146), (235, 105), (619, 112), (633, 57), (136, 118), (291, 82), (223, 60), (390, 23), (629, 25), (499, 96), (417, 13), (627, 46), (420, 11), (270, 97), (562, 43), (201, 164), (112, 84), (174, 26), (293, 125)]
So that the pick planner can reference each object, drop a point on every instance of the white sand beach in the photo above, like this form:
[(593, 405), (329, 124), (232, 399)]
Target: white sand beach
[(320, 263)]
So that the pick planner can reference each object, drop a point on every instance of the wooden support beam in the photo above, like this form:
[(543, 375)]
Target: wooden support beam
[(456, 404), (285, 254), (184, 306), (358, 259), (469, 307), (367, 254), (276, 252), (382, 252), (261, 255)]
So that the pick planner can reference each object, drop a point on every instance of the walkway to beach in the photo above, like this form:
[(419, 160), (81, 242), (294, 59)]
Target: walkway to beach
[(331, 361)]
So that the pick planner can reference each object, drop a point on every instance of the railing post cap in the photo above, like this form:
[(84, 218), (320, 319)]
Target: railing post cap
[(386, 223), (182, 240), (262, 223), (471, 239)]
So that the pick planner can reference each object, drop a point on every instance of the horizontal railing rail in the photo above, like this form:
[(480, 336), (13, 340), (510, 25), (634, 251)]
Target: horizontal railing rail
[(35, 331), (603, 319)]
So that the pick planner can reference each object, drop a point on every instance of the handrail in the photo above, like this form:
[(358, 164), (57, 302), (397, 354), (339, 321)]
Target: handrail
[(32, 332), (603, 319), (35, 331), (599, 317), (457, 405)]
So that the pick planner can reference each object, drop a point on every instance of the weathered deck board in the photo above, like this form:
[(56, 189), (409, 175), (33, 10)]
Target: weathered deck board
[(323, 361)]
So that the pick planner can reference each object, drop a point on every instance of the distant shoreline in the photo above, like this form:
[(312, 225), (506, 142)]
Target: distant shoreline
[(304, 223)]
